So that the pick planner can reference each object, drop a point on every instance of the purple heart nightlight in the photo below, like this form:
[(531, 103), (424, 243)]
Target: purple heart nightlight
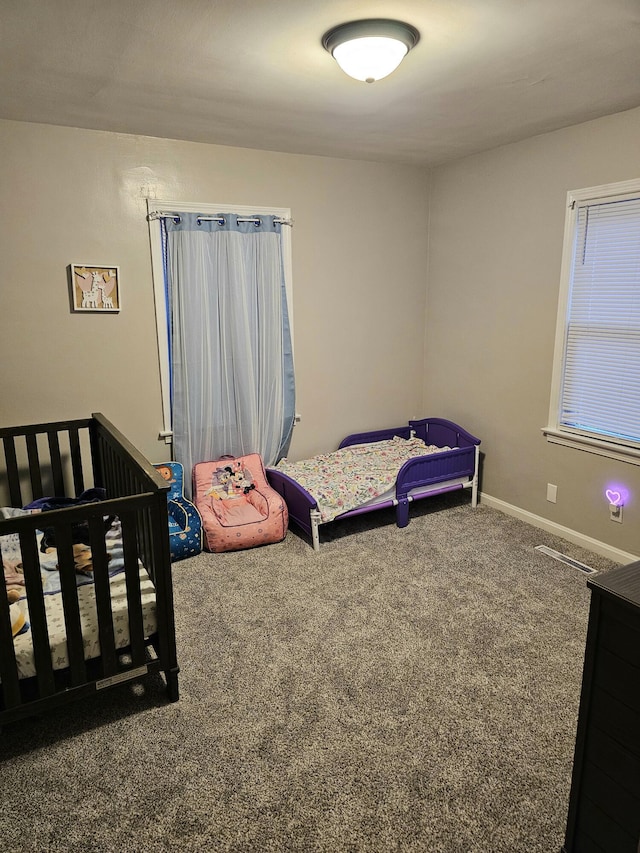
[(613, 497)]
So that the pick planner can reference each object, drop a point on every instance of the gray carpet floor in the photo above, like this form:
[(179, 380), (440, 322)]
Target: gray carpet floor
[(401, 690)]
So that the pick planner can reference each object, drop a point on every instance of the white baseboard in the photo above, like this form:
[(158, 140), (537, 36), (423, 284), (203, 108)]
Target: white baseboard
[(587, 542)]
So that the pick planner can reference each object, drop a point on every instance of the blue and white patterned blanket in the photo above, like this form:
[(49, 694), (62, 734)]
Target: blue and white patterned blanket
[(11, 554)]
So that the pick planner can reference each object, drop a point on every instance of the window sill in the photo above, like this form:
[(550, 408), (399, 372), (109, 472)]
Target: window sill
[(592, 445)]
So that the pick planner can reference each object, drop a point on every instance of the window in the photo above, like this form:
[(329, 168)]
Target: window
[(222, 279), (595, 400)]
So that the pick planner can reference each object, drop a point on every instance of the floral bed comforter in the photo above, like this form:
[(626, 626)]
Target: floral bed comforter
[(350, 477)]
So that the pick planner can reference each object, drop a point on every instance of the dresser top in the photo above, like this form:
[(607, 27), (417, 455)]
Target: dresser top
[(623, 582)]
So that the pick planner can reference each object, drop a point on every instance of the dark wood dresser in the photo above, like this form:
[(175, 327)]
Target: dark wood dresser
[(604, 806)]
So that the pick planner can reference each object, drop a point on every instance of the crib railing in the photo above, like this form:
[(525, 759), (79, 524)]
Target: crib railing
[(62, 459), (45, 459), (123, 470)]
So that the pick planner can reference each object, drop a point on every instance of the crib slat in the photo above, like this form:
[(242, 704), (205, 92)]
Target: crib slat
[(56, 463), (119, 475), (34, 467), (134, 599), (69, 587), (96, 461), (161, 557), (144, 532), (13, 474), (76, 461), (9, 687), (103, 597), (110, 481), (37, 613)]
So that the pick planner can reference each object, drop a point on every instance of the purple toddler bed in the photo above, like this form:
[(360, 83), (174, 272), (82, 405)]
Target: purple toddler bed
[(383, 468)]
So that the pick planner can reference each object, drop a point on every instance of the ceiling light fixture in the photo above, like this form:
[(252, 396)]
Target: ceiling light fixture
[(370, 50)]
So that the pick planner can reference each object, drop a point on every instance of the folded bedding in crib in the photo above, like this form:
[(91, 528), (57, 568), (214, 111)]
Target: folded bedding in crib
[(352, 476), (11, 556)]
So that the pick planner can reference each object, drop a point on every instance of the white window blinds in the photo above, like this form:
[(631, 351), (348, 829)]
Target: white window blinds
[(600, 394)]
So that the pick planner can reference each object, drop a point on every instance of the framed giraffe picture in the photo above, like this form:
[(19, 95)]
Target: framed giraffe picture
[(94, 288)]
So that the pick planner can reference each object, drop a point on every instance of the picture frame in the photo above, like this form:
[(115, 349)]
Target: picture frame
[(95, 288)]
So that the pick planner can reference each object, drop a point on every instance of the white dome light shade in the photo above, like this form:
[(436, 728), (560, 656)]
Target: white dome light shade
[(370, 59), (370, 50)]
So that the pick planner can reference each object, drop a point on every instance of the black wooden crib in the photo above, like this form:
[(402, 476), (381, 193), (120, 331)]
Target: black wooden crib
[(84, 539)]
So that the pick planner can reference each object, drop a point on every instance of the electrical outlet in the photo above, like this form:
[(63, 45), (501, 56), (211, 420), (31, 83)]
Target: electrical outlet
[(615, 513), (552, 493)]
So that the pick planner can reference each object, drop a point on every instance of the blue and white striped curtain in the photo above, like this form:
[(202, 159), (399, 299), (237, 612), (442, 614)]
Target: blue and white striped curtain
[(232, 382)]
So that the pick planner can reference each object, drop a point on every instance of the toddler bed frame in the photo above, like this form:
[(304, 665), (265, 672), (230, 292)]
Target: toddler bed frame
[(63, 459), (420, 477)]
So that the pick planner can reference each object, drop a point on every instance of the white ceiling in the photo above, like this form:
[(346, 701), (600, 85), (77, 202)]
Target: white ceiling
[(253, 73)]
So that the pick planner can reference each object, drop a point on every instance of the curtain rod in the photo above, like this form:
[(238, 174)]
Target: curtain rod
[(161, 214)]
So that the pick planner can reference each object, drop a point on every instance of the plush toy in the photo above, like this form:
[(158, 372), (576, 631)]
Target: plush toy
[(82, 558), (14, 580), (13, 594), (19, 622)]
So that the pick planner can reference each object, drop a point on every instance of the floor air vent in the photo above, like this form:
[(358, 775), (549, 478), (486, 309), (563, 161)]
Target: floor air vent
[(562, 558)]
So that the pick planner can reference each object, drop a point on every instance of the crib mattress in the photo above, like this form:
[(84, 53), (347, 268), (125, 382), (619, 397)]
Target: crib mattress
[(89, 621)]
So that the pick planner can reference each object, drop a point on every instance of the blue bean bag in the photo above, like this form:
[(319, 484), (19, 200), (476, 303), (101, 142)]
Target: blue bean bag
[(185, 524)]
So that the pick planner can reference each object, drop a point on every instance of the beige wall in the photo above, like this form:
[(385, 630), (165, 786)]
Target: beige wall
[(496, 232), (360, 249), (359, 267)]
